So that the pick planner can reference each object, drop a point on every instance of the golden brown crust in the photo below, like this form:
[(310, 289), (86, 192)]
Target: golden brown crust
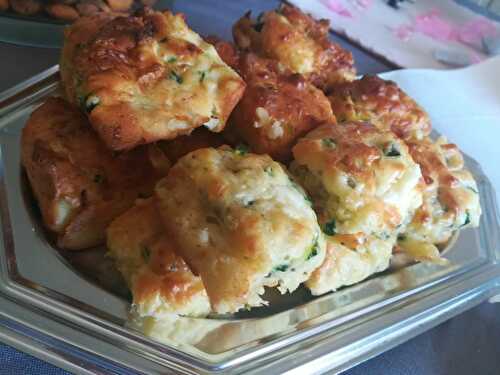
[(146, 77), (79, 184), (147, 259), (226, 50), (241, 223), (451, 199), (358, 176), (298, 42), (277, 108), (383, 104)]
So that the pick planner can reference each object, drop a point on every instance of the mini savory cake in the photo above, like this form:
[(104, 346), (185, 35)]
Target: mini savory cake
[(381, 103), (299, 43), (146, 77), (277, 108), (350, 259), (241, 223), (361, 179), (79, 184), (161, 282), (450, 199)]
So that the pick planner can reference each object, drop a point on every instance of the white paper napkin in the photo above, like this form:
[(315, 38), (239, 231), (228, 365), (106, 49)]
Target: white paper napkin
[(464, 105), (373, 27)]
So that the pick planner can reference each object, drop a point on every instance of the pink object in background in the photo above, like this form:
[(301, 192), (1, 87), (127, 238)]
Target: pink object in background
[(403, 32), (410, 35), (337, 7), (473, 31), (433, 25)]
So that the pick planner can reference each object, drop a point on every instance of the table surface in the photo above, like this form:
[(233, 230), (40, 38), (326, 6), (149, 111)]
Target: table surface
[(466, 344)]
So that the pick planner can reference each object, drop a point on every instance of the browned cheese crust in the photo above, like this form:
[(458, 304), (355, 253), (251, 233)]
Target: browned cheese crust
[(451, 199), (146, 77), (277, 108), (241, 223), (383, 104), (361, 179), (79, 184), (160, 281), (298, 42)]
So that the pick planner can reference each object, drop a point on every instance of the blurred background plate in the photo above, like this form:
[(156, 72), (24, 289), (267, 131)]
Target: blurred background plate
[(40, 30)]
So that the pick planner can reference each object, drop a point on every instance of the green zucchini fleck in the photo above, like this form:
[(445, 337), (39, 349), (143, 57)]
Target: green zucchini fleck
[(91, 101), (241, 149), (281, 268), (313, 251), (329, 227), (269, 171), (172, 59), (328, 142), (176, 77), (202, 76), (472, 189), (392, 151), (467, 219), (146, 253), (98, 178), (249, 203)]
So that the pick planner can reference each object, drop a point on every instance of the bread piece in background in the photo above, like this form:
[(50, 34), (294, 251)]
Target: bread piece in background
[(298, 42), (80, 185), (91, 7), (146, 77), (4, 5), (161, 283), (120, 5), (381, 103), (26, 7), (450, 199), (241, 223), (62, 11), (277, 108)]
